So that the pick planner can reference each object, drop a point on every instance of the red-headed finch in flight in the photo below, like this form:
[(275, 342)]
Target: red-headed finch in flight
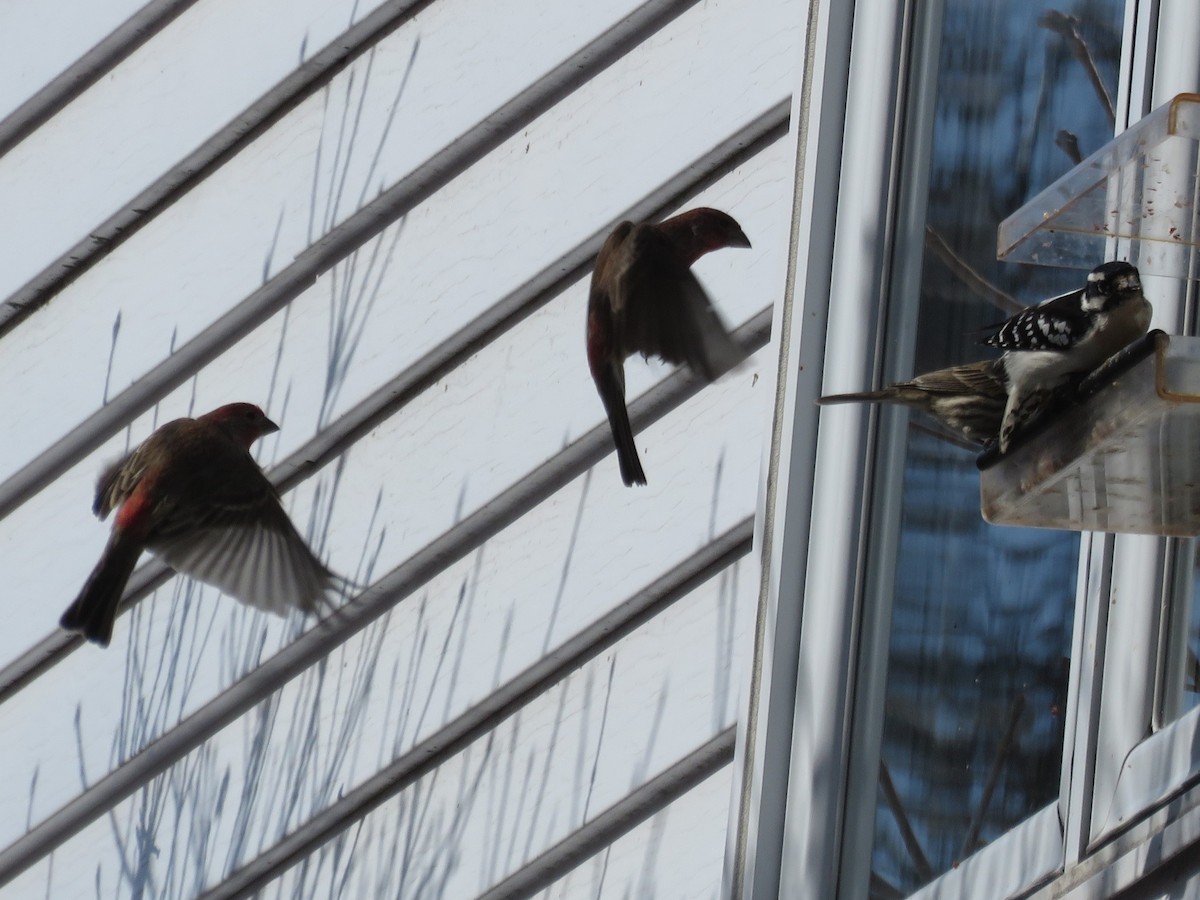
[(193, 495), (645, 299)]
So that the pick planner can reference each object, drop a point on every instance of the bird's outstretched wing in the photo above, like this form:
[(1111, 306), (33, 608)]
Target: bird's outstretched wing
[(255, 556), (234, 534), (663, 311)]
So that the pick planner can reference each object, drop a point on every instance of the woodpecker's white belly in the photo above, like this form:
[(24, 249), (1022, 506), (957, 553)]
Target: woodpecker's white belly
[(1045, 367)]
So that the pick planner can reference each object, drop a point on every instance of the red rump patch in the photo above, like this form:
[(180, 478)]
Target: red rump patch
[(134, 514), (599, 343)]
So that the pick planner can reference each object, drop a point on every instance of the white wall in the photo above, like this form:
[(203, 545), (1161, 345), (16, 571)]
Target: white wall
[(321, 259)]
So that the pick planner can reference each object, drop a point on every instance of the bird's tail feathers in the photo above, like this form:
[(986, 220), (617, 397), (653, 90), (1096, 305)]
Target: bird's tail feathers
[(859, 397), (612, 393), (94, 611)]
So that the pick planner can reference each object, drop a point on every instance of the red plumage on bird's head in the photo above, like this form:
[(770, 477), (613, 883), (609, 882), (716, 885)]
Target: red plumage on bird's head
[(702, 230), (244, 422)]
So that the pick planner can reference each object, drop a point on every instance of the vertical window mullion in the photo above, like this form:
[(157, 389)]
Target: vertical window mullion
[(782, 528), (830, 638)]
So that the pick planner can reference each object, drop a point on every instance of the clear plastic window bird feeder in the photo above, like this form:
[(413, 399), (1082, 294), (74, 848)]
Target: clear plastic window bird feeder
[(1124, 458), (1140, 187)]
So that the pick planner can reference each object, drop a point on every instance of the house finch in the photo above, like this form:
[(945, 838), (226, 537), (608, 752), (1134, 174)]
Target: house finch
[(968, 399), (645, 299), (193, 495)]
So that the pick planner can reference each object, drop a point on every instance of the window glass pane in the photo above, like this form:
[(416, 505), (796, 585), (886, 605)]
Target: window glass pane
[(981, 615)]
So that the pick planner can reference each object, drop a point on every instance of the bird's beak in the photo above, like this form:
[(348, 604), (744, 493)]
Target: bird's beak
[(268, 427), (739, 239)]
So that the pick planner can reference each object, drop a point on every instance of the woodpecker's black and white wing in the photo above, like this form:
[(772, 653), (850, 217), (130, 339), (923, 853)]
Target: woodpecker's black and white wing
[(1110, 311), (1055, 324), (1069, 335)]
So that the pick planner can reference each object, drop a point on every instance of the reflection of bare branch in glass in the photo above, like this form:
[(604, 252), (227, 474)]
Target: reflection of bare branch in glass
[(1067, 27), (942, 434), (896, 805), (965, 272), (961, 644), (882, 889), (1068, 143), (1003, 749), (1191, 675)]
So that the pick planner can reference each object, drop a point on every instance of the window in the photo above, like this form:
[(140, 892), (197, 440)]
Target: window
[(980, 635), (1027, 693)]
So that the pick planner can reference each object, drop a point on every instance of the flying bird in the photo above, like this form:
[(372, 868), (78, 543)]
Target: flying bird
[(193, 495), (1066, 336), (645, 299)]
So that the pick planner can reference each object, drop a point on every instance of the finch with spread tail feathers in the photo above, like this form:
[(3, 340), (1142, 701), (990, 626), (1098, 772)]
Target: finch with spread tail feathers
[(193, 495), (645, 299)]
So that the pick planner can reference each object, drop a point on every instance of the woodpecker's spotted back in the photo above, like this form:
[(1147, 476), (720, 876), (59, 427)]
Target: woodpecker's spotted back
[(1061, 323), (1034, 330)]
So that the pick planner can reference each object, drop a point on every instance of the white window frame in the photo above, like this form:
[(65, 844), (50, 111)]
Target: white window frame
[(765, 746)]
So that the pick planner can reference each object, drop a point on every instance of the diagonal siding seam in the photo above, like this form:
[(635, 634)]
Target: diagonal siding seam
[(309, 77), (619, 819), (108, 53)]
